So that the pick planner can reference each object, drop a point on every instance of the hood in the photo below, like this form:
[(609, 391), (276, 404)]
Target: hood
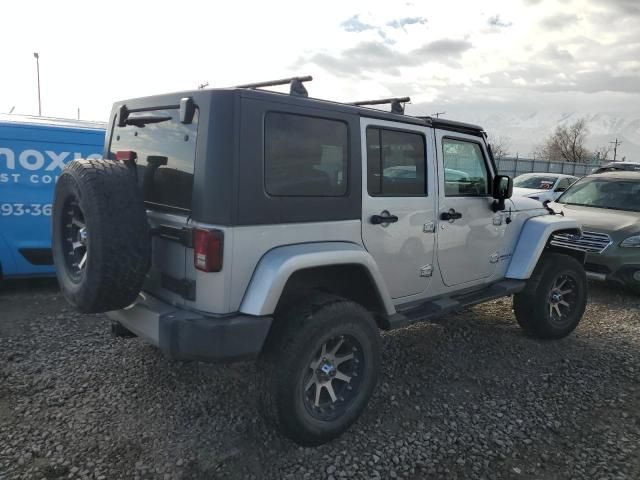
[(525, 192), (600, 219), (519, 204)]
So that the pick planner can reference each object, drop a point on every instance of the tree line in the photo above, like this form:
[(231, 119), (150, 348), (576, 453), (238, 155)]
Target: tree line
[(567, 143)]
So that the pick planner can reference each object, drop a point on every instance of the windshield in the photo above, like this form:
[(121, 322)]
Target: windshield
[(604, 193), (535, 182)]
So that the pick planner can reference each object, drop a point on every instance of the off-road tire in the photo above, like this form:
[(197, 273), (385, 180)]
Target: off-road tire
[(531, 306), (297, 334), (118, 244), (120, 331)]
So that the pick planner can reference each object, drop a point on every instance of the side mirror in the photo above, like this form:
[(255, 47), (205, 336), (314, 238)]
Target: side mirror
[(502, 190)]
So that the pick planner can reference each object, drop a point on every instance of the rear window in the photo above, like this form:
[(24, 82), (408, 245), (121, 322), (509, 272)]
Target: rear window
[(535, 182), (305, 156), (165, 151)]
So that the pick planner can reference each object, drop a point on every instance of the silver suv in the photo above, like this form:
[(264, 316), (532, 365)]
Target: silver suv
[(239, 223)]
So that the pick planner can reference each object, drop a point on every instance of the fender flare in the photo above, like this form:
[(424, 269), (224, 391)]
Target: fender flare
[(533, 239), (277, 265)]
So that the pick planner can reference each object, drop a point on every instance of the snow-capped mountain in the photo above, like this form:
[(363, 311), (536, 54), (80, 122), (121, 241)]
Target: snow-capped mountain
[(526, 131)]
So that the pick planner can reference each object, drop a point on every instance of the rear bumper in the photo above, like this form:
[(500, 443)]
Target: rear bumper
[(186, 335)]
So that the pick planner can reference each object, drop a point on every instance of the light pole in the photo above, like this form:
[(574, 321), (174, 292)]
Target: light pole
[(37, 57)]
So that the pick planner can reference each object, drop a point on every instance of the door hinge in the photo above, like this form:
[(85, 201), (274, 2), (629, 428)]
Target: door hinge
[(426, 271), (429, 227)]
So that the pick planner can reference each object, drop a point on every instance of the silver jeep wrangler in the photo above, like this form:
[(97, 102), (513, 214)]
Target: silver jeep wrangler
[(238, 223)]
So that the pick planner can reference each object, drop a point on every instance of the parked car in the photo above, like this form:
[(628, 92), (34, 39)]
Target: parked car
[(617, 166), (228, 224), (33, 152), (410, 172), (608, 207), (542, 186)]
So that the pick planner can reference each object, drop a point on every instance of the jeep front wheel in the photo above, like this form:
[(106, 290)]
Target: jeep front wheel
[(555, 298), (319, 369)]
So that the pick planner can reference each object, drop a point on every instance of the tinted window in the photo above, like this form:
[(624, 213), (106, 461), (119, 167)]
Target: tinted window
[(165, 151), (305, 156), (465, 171), (395, 163)]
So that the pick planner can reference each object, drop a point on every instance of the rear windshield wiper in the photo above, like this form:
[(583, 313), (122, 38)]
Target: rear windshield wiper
[(142, 121)]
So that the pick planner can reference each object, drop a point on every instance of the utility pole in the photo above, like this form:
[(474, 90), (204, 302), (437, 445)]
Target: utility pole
[(78, 113), (437, 114), (615, 148), (37, 57)]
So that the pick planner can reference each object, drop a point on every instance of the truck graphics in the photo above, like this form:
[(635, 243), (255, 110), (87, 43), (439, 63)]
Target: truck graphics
[(33, 152)]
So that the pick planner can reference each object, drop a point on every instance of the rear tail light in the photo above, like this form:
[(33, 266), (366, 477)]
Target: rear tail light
[(207, 250), (125, 155)]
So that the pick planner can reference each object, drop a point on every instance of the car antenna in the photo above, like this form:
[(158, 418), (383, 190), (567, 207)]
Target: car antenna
[(397, 103), (296, 87)]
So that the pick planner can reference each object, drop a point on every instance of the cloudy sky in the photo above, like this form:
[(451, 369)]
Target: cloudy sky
[(471, 59)]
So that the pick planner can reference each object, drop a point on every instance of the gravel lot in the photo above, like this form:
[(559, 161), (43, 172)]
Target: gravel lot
[(469, 398)]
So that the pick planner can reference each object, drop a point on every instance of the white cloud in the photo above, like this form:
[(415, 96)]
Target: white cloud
[(464, 56)]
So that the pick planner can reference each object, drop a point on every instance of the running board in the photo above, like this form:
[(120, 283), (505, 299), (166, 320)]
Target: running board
[(433, 309)]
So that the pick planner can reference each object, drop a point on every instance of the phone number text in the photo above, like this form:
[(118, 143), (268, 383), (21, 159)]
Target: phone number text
[(20, 209)]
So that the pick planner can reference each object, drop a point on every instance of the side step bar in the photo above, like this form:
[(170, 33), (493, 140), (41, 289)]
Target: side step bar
[(433, 309)]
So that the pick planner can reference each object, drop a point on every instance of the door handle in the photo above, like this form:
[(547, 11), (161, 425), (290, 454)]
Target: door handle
[(451, 215), (385, 218)]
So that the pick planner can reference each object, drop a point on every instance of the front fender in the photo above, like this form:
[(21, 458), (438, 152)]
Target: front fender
[(533, 239), (277, 265)]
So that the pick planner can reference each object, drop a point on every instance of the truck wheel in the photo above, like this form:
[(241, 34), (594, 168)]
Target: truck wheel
[(101, 241), (318, 369), (554, 299)]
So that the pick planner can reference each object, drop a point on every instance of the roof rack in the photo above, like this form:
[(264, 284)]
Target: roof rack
[(295, 85), (397, 103)]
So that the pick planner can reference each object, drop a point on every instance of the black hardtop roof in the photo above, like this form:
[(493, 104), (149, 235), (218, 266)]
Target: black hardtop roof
[(173, 100)]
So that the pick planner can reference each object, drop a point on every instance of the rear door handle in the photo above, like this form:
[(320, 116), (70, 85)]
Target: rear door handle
[(451, 215), (386, 217)]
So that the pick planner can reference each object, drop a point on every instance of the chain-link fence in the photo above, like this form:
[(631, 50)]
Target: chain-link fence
[(517, 166)]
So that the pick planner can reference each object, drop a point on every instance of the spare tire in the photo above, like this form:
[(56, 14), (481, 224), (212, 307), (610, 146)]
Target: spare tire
[(101, 238)]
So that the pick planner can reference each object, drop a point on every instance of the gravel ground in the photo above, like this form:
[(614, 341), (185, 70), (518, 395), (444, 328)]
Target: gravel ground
[(469, 398)]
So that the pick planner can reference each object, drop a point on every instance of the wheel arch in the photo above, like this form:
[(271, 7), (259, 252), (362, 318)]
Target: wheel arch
[(534, 239), (341, 268)]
